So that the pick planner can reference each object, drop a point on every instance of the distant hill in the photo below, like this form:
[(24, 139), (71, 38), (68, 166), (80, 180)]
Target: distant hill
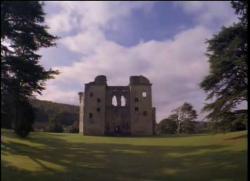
[(46, 111)]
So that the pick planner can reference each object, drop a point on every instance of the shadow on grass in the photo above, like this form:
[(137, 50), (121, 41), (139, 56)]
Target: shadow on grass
[(237, 137), (84, 161)]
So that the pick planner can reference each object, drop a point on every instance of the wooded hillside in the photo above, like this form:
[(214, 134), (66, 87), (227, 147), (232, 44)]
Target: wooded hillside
[(48, 114)]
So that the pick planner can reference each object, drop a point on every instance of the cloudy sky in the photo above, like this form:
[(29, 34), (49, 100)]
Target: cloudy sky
[(164, 41)]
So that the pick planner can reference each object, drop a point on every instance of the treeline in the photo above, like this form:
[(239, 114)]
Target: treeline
[(55, 117), (23, 33), (183, 120), (51, 117)]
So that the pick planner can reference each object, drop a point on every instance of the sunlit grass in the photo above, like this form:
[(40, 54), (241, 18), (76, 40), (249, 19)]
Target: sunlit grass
[(51, 156)]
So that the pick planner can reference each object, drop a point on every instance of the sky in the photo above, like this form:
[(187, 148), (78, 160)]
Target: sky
[(164, 41)]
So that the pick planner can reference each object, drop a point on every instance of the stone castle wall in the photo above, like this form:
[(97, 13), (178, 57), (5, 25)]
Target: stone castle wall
[(117, 110)]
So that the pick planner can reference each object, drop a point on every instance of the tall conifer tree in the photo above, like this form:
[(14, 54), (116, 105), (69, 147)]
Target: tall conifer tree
[(23, 32), (226, 84)]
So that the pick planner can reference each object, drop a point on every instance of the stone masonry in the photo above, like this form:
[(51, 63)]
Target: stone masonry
[(117, 110)]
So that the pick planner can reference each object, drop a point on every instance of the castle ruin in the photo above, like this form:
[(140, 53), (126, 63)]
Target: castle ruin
[(117, 110)]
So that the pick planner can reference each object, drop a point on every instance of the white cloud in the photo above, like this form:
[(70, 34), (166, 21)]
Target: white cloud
[(59, 23), (57, 94), (209, 12), (85, 42), (174, 66), (92, 14)]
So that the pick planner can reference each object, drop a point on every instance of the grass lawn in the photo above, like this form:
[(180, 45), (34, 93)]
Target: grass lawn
[(71, 157)]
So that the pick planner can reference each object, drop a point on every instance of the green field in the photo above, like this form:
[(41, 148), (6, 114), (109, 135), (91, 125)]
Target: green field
[(70, 157)]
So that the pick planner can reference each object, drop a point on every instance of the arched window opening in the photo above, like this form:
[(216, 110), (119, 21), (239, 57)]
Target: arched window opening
[(123, 101), (136, 109), (98, 109), (114, 101), (144, 94), (136, 99), (90, 115), (98, 100)]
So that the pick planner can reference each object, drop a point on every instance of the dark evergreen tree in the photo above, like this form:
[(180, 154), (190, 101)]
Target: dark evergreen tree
[(23, 32), (226, 84), (25, 118)]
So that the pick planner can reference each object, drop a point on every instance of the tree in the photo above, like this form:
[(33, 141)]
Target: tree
[(23, 32), (233, 121), (25, 115), (226, 84), (168, 125), (181, 121), (75, 127), (188, 127), (185, 114), (55, 127), (54, 124)]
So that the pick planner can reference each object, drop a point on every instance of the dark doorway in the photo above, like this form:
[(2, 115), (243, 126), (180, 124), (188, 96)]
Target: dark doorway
[(117, 130)]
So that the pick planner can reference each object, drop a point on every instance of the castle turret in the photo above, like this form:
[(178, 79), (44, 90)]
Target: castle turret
[(95, 106), (81, 110), (141, 111)]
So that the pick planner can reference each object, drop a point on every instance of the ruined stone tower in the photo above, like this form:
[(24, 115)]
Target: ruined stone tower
[(117, 110)]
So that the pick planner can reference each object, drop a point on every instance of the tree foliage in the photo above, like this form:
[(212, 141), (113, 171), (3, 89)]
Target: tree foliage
[(226, 84), (23, 32), (45, 111), (25, 118), (185, 115), (167, 126), (183, 120), (54, 124)]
